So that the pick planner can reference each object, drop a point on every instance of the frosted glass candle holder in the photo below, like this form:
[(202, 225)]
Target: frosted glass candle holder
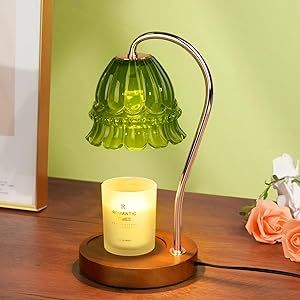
[(129, 215)]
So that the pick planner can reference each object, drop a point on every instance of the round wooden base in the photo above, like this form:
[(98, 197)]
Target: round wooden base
[(155, 269)]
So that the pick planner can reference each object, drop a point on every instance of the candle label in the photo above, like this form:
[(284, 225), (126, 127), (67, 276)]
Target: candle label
[(123, 215), (128, 228)]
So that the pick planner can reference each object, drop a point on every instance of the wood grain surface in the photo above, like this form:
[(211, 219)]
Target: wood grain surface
[(39, 251)]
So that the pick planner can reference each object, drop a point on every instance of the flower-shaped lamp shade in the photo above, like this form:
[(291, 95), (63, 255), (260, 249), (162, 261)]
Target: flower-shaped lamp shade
[(135, 106)]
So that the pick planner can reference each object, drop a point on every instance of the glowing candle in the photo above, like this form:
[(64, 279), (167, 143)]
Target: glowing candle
[(129, 215)]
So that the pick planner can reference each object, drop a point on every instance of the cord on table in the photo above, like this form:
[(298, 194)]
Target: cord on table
[(244, 268)]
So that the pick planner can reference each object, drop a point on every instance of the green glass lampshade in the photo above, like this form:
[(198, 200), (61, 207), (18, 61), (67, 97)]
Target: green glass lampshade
[(135, 106)]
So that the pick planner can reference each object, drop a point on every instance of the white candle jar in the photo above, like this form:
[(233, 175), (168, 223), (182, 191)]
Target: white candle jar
[(129, 215)]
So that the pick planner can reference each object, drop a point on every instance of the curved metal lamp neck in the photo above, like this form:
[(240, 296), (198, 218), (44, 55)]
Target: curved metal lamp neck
[(178, 249)]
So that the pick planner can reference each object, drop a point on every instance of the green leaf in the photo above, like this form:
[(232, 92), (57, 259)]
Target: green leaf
[(264, 194), (246, 210), (296, 180)]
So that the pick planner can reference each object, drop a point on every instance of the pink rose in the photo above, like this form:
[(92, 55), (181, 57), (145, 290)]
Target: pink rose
[(266, 221), (291, 240)]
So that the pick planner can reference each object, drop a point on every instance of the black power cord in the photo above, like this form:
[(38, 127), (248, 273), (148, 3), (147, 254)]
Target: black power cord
[(252, 269)]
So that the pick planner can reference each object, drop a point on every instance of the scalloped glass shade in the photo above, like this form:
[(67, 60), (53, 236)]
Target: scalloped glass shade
[(135, 106)]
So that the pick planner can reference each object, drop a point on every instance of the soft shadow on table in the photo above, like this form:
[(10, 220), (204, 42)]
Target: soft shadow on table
[(81, 278)]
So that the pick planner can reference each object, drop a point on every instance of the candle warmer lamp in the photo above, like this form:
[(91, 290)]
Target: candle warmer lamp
[(135, 106)]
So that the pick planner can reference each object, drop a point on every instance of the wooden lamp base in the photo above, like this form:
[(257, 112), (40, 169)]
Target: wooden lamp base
[(155, 269)]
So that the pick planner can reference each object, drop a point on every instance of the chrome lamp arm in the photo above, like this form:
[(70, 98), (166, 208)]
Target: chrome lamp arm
[(178, 249)]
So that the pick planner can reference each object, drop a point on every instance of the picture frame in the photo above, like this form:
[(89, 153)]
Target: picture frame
[(25, 61)]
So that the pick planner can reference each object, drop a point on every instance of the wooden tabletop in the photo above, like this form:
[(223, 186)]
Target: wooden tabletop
[(39, 251)]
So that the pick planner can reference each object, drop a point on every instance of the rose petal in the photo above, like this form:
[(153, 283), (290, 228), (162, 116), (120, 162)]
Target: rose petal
[(291, 240), (295, 241), (266, 221)]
